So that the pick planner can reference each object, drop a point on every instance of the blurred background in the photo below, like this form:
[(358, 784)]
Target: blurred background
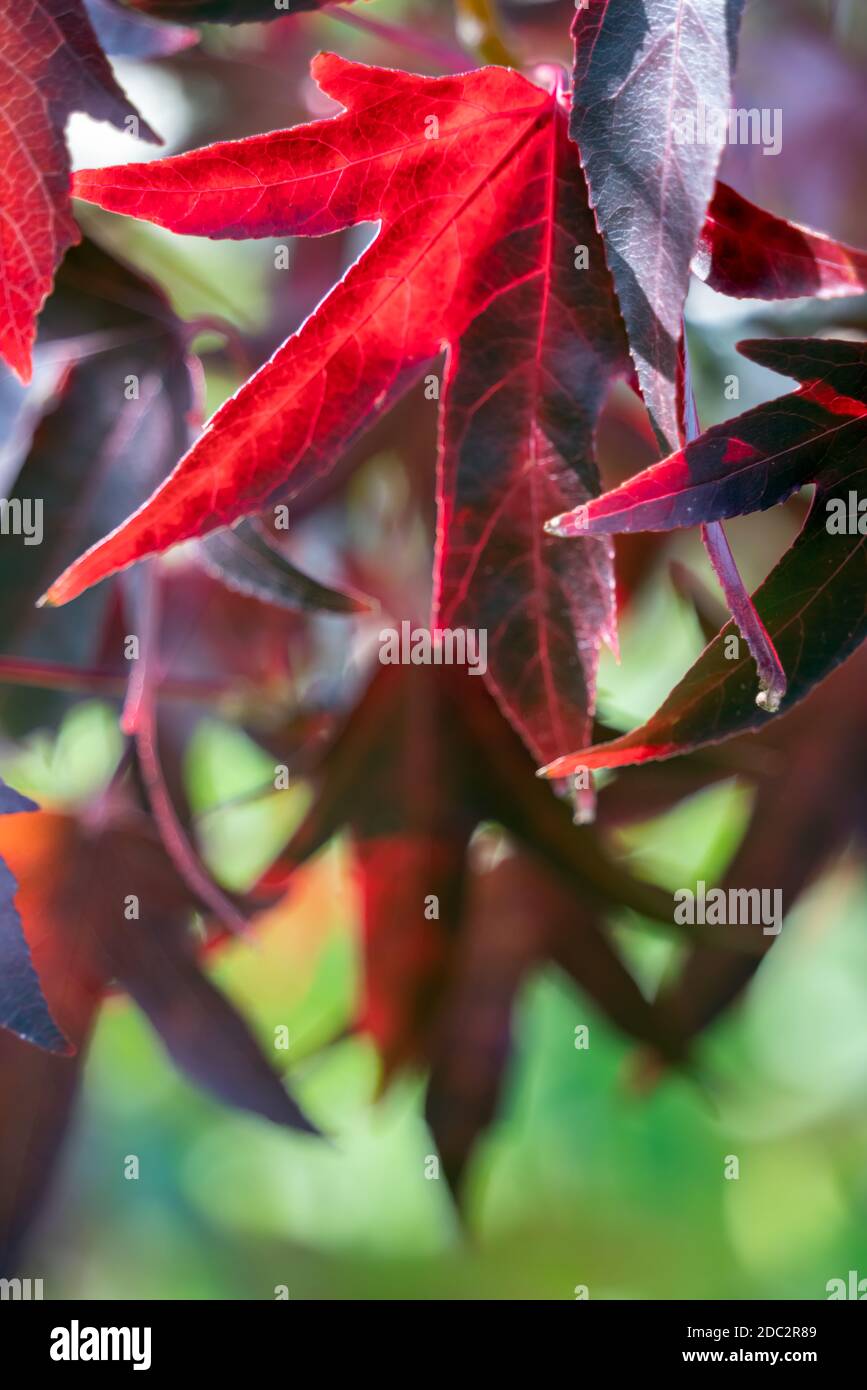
[(581, 1180)]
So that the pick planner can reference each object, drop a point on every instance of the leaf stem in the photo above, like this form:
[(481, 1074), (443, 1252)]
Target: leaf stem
[(49, 675), (236, 346), (772, 678), (139, 719), (446, 55)]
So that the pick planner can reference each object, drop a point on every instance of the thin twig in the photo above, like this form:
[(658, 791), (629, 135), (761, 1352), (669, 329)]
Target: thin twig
[(50, 675), (139, 720), (236, 345), (447, 55)]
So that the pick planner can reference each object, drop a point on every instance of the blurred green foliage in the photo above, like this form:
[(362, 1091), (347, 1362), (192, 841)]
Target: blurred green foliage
[(581, 1181)]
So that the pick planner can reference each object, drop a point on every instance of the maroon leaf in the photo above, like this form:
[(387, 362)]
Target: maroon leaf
[(639, 69), (424, 761), (12, 802), (813, 602), (518, 916), (244, 560), (756, 460), (101, 902), (202, 1032), (502, 940), (127, 35), (23, 1010), (747, 252), (808, 805), (523, 393), (410, 899), (108, 435), (37, 1090)]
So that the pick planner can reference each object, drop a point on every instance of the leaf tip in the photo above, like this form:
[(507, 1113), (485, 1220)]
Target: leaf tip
[(769, 699), (19, 360), (549, 770), (64, 588), (572, 523)]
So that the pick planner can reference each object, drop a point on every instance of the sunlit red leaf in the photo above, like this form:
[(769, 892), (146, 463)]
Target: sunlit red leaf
[(52, 65), (487, 244), (480, 198)]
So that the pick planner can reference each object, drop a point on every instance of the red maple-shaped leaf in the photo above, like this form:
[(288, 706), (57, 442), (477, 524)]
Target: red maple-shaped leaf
[(487, 246), (484, 222), (813, 602), (52, 65)]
